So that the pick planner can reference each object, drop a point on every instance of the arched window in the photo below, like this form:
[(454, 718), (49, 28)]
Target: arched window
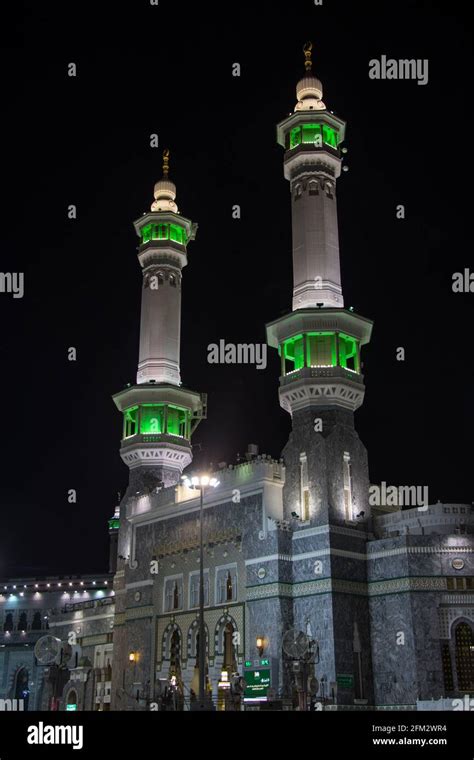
[(229, 588), (174, 646), (464, 647), (175, 597), (175, 691), (8, 624), (161, 279), (229, 662), (172, 280), (71, 701), (313, 188), (173, 594), (22, 622), (36, 623)]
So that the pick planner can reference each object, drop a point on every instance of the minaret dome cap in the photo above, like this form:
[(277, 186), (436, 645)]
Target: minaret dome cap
[(165, 190), (309, 87), (309, 90)]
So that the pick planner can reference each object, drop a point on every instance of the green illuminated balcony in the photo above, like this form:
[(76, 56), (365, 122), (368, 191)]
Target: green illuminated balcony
[(319, 350), (165, 231), (317, 135), (153, 422)]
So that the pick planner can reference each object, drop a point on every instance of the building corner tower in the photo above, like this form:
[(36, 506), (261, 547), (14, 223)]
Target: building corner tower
[(159, 415), (321, 386)]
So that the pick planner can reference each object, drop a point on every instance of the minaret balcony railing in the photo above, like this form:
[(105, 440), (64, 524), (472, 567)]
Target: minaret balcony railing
[(160, 438), (312, 372)]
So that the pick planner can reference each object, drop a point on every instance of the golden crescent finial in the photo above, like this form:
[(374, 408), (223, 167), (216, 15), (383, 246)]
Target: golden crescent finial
[(307, 48), (166, 162)]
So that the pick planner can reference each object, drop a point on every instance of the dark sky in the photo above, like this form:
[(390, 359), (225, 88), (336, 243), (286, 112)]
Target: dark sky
[(167, 70)]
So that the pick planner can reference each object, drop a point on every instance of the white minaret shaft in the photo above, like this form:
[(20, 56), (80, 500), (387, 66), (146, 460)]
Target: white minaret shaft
[(162, 256), (312, 165), (160, 326)]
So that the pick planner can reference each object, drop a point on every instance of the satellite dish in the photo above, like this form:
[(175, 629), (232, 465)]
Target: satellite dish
[(48, 649), (295, 643)]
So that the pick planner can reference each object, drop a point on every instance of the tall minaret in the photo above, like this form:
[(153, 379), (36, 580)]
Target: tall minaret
[(159, 416), (319, 341), (326, 490)]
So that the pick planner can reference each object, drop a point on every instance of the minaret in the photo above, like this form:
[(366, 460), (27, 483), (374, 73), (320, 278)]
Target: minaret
[(319, 341), (159, 416), (326, 490)]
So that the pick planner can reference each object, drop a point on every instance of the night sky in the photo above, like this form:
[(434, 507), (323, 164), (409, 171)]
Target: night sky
[(86, 141)]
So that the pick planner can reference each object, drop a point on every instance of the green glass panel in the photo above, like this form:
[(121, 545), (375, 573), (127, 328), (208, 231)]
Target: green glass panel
[(348, 352), (130, 421), (293, 351), (295, 137), (176, 233), (299, 355), (321, 349), (311, 133), (146, 233), (330, 136), (176, 421), (151, 418)]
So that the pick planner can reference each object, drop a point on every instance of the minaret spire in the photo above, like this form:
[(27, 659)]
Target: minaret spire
[(308, 64), (159, 415), (166, 161)]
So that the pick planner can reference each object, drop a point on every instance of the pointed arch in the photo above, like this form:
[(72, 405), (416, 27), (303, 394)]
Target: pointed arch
[(220, 631), (192, 642), (170, 630)]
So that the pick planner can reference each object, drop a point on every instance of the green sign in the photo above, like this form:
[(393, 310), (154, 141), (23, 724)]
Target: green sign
[(248, 663), (345, 681), (264, 662), (71, 707), (258, 683)]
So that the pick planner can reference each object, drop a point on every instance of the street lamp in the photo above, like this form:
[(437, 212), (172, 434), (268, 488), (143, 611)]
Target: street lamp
[(201, 482)]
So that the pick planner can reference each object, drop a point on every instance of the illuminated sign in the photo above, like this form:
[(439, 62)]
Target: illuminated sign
[(258, 682), (345, 681), (71, 707)]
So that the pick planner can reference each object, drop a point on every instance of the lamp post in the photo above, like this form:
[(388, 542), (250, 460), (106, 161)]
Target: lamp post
[(201, 482)]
